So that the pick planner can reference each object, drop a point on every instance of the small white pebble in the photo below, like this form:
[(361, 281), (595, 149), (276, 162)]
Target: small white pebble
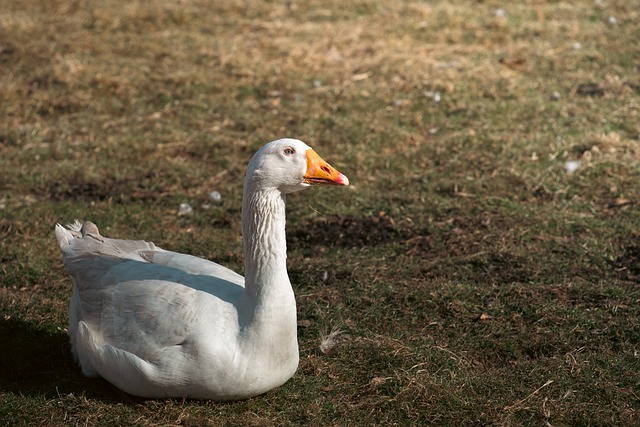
[(555, 95), (433, 95), (572, 165), (215, 197), (613, 20), (185, 209), (317, 83), (501, 13), (577, 45)]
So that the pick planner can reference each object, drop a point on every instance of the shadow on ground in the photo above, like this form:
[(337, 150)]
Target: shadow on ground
[(38, 363)]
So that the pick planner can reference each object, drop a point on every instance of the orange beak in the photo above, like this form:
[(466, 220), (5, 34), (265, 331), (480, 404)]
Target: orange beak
[(320, 172)]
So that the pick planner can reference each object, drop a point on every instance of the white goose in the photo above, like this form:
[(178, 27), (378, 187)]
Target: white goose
[(157, 323)]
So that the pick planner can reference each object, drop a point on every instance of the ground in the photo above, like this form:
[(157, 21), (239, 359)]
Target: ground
[(483, 267)]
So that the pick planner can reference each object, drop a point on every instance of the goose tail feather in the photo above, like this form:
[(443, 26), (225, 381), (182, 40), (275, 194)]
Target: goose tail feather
[(66, 235)]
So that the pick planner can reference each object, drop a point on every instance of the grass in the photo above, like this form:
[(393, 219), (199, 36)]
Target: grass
[(475, 280)]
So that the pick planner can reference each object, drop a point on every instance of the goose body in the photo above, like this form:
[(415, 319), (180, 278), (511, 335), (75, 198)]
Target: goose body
[(157, 323)]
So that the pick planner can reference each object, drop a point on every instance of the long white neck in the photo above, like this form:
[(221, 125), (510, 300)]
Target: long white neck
[(263, 229), (269, 315)]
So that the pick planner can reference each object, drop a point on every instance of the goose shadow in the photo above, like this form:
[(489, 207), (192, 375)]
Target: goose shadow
[(36, 362)]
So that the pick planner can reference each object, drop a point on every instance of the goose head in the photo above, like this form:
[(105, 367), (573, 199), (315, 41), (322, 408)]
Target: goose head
[(290, 165)]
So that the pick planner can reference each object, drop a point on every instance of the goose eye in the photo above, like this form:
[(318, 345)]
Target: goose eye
[(289, 151)]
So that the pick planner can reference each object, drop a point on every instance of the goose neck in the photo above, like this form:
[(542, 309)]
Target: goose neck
[(263, 227)]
